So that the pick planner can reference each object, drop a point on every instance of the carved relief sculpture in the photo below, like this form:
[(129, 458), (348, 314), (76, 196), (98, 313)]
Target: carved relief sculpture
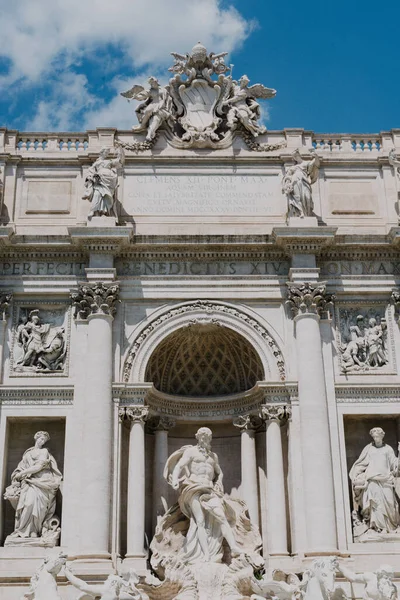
[(32, 493), (43, 584), (296, 184), (40, 347), (376, 508), (201, 106), (363, 340), (102, 181), (378, 585)]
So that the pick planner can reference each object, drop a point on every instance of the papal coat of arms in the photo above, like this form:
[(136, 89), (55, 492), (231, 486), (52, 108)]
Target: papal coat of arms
[(202, 106)]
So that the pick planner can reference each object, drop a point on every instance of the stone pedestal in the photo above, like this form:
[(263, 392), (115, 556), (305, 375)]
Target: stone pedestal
[(307, 303), (276, 498)]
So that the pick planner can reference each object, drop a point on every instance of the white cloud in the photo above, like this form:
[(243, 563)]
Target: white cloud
[(43, 39), (37, 33)]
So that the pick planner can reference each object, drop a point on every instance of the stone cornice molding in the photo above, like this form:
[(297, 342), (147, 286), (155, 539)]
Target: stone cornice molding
[(304, 240), (275, 412), (100, 240), (308, 299), (95, 298), (36, 396), (229, 315), (368, 394), (134, 414)]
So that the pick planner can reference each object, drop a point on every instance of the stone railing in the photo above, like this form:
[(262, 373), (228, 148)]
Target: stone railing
[(348, 143), (41, 142)]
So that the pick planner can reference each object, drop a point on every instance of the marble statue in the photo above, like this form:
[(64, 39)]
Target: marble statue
[(155, 108), (317, 583), (378, 585), (363, 341), (394, 161), (43, 584), (201, 106), (32, 493), (242, 106), (296, 184), (113, 588), (101, 182), (373, 483), (43, 346)]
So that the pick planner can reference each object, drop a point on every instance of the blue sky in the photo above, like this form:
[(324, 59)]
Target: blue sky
[(335, 64)]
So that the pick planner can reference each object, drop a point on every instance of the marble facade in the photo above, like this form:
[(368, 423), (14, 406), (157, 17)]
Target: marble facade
[(197, 294)]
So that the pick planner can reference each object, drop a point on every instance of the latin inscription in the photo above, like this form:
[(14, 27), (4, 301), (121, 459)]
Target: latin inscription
[(203, 194), (139, 269), (42, 268), (341, 268)]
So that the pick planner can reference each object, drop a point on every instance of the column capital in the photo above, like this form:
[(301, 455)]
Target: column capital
[(160, 423), (95, 298), (275, 412), (5, 301), (134, 414), (305, 298), (247, 422), (395, 300)]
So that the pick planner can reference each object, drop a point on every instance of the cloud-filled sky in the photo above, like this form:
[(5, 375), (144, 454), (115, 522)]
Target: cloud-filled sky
[(335, 64)]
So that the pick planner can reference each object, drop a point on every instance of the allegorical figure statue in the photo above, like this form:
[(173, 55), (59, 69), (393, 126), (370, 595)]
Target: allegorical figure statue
[(296, 184), (33, 489), (101, 182), (378, 585), (155, 108), (43, 584), (373, 481), (32, 336), (211, 515)]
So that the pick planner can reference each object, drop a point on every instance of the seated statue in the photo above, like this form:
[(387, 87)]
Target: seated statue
[(205, 525)]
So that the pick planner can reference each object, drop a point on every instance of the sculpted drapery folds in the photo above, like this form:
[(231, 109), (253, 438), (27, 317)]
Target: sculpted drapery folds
[(101, 182), (195, 528), (373, 481), (296, 184), (33, 489)]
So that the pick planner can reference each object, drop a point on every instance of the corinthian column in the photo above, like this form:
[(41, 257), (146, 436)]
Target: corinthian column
[(96, 303), (307, 302), (5, 301), (249, 488), (160, 426), (275, 415), (136, 415)]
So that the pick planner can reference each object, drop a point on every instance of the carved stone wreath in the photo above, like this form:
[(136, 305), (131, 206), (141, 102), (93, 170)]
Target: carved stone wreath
[(206, 306)]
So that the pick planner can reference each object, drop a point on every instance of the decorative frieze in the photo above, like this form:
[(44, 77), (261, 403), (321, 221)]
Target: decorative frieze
[(306, 298), (40, 341), (364, 337), (95, 298)]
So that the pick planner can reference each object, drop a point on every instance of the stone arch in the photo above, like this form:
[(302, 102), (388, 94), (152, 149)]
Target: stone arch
[(241, 320)]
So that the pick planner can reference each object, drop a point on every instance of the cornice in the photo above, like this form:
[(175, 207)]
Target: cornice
[(36, 396)]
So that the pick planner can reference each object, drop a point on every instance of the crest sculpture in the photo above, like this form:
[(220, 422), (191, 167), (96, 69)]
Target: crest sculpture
[(202, 106)]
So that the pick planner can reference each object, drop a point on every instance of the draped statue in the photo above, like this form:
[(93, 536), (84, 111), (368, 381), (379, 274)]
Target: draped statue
[(33, 489), (205, 525)]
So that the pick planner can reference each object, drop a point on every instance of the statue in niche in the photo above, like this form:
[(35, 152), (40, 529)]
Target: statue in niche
[(102, 181), (194, 530), (366, 338), (373, 477), (296, 184), (156, 109), (43, 584), (43, 347), (32, 493), (243, 107), (378, 585)]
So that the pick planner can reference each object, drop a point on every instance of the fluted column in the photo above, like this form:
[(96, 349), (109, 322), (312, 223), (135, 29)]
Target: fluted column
[(136, 415), (275, 415), (96, 302), (160, 426), (249, 487), (307, 302)]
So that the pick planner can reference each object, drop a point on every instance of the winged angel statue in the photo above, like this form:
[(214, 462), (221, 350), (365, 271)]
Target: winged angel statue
[(201, 106)]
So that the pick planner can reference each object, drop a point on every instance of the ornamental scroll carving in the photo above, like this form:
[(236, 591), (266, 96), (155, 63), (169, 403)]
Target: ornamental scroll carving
[(275, 412), (134, 414), (95, 298), (207, 307), (305, 298), (201, 107)]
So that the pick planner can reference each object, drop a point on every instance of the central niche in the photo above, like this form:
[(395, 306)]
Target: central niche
[(203, 360)]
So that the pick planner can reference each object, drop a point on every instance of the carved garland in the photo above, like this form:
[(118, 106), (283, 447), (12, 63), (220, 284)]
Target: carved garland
[(206, 306)]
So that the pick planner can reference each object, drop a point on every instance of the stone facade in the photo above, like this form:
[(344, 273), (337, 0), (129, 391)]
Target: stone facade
[(199, 295)]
